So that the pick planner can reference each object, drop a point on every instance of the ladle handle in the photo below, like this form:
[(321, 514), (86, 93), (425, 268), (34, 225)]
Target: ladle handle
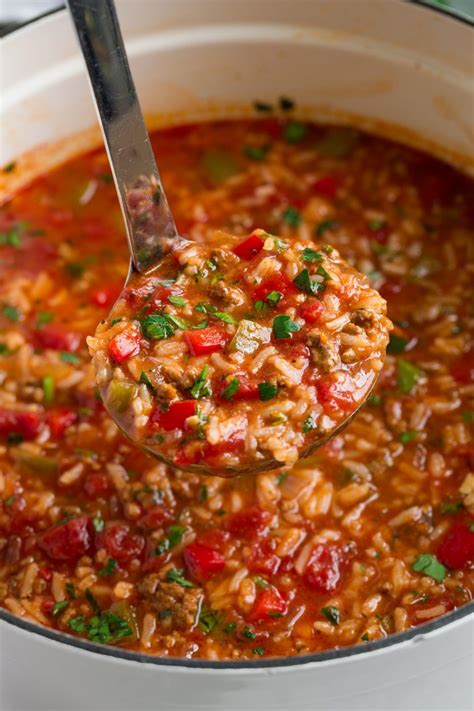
[(150, 226)]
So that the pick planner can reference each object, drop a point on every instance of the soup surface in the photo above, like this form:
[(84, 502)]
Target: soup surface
[(373, 535)]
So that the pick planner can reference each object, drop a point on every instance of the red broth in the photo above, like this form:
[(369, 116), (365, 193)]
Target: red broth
[(371, 536)]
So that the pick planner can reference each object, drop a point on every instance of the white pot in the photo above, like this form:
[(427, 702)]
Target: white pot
[(398, 68)]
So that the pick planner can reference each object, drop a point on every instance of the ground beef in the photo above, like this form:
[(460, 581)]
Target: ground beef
[(184, 603)]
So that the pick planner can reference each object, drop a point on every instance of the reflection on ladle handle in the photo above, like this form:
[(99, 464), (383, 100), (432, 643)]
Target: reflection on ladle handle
[(151, 230)]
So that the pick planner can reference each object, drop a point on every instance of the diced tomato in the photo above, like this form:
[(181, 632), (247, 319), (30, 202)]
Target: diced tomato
[(156, 517), (327, 186), (333, 397), (231, 444), (248, 523), (124, 345), (191, 453), (68, 541), (268, 605), (47, 606), (456, 549), (96, 484), (202, 562), (263, 558), (214, 538), (57, 338), (174, 418), (324, 569), (27, 424), (59, 420), (247, 390), (276, 282), (45, 573), (312, 310), (160, 296), (272, 126), (120, 543), (206, 340), (249, 247), (462, 369), (105, 296), (61, 216)]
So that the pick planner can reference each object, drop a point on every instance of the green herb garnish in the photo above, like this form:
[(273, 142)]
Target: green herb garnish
[(109, 568), (59, 607), (292, 216), (11, 313), (247, 632), (428, 564), (283, 326), (294, 132), (231, 389), (396, 344), (304, 282), (67, 357), (332, 614), (207, 620), (274, 298), (309, 424), (256, 152), (175, 575), (176, 300), (324, 226), (157, 327), (267, 391), (48, 388), (311, 255), (201, 387), (408, 374), (43, 318), (175, 535), (408, 436)]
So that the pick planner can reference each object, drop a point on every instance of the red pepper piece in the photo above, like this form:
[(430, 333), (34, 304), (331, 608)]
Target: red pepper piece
[(332, 397), (263, 558), (206, 340), (96, 484), (57, 338), (202, 562), (312, 310), (124, 345), (327, 186), (276, 282), (68, 541), (462, 369), (120, 543), (105, 296), (247, 390), (249, 247), (59, 420), (248, 523), (324, 569), (155, 517), (456, 549), (269, 604), (175, 417), (27, 424)]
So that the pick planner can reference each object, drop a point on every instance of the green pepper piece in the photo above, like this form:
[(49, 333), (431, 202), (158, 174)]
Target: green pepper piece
[(249, 336), (120, 395), (36, 462), (218, 165)]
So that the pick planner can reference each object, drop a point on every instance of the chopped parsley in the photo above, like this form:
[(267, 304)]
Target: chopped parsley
[(176, 300), (104, 627), (231, 389), (408, 374), (203, 493), (67, 357), (109, 568), (59, 607), (428, 564), (376, 225), (274, 298), (283, 326), (468, 416), (311, 255), (259, 651), (408, 436), (9, 167), (309, 424), (9, 501), (332, 614), (230, 627), (292, 216), (4, 349), (281, 478), (145, 380), (304, 282), (43, 318), (11, 313), (374, 400), (256, 152), (157, 327), (396, 344), (11, 238), (260, 582), (294, 132), (175, 575), (247, 632), (451, 507), (324, 226), (175, 536), (201, 387), (207, 620), (71, 590), (267, 391)]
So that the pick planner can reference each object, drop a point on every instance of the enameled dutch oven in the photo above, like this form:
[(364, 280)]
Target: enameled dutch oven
[(399, 68)]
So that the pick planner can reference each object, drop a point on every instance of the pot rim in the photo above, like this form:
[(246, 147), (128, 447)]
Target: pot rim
[(340, 654)]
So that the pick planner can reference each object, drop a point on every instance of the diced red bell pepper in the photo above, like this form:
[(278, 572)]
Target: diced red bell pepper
[(312, 310), (276, 282), (333, 397), (249, 247), (68, 541), (247, 390), (105, 296), (57, 338), (96, 484), (231, 444), (324, 570), (456, 549), (174, 418), (124, 345), (202, 562), (45, 573), (327, 186), (214, 538), (155, 517), (120, 543), (59, 420), (47, 606), (263, 559), (206, 340), (248, 523), (462, 369), (27, 424), (268, 605)]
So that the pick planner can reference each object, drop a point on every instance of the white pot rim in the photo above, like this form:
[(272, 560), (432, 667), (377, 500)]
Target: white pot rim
[(409, 636)]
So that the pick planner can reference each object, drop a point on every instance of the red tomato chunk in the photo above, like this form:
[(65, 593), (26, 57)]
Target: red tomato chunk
[(248, 523), (324, 569), (175, 417), (59, 420), (68, 541), (205, 340), (202, 562), (27, 424), (249, 247), (124, 345), (57, 338), (120, 543), (269, 604), (456, 549)]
